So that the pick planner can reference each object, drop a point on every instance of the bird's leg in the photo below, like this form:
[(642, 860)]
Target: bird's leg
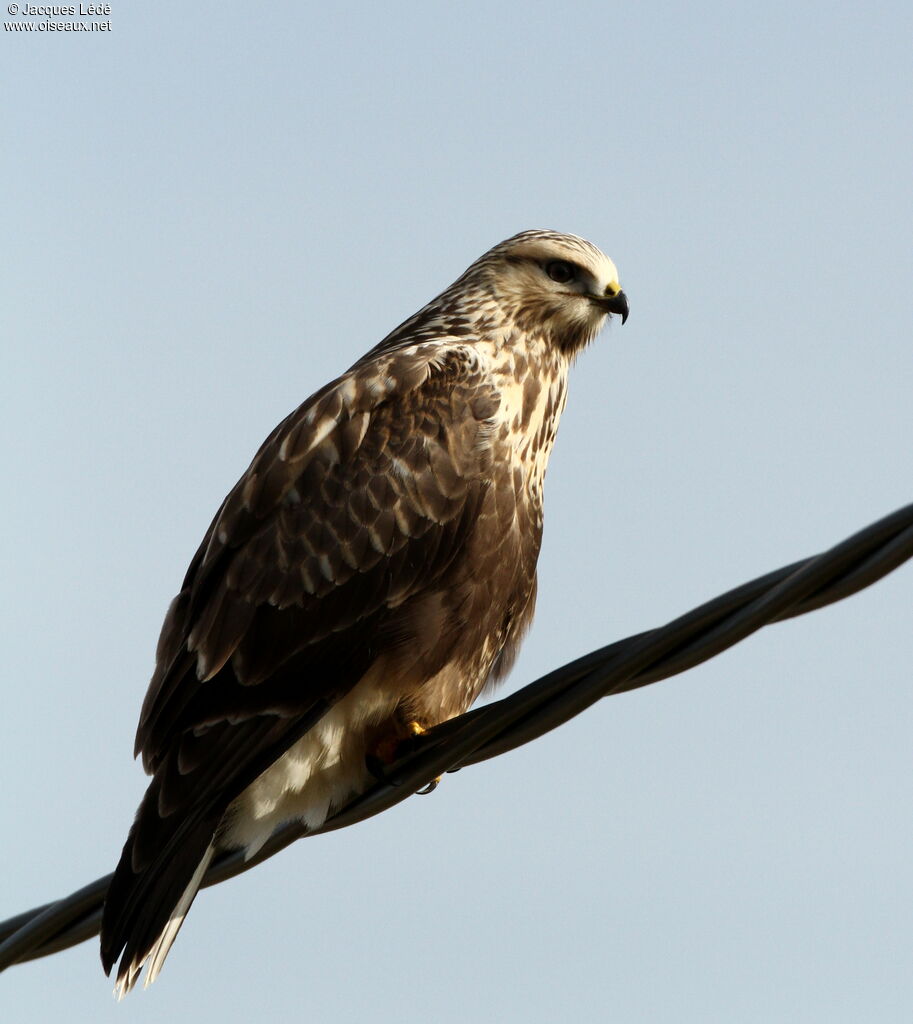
[(391, 746), (417, 729)]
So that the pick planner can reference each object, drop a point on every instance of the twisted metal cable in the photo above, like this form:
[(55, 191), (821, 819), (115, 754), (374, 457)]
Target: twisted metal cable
[(543, 705)]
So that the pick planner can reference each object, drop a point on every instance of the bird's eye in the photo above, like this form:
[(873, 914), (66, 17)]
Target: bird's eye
[(560, 271)]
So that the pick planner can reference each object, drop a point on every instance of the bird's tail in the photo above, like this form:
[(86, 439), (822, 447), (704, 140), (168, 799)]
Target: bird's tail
[(128, 973), (145, 907)]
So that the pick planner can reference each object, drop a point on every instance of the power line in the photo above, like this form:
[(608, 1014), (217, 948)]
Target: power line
[(503, 725)]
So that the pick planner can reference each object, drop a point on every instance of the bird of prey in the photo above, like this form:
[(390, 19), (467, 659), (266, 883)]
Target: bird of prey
[(372, 570)]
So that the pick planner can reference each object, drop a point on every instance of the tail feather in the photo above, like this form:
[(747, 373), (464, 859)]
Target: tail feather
[(144, 908), (170, 845), (128, 973)]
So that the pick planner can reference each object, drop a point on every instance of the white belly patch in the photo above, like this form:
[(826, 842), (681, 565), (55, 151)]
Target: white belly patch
[(317, 774)]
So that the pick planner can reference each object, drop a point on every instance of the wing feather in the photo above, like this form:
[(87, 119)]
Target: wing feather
[(353, 507)]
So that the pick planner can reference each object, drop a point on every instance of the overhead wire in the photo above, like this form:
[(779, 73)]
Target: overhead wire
[(503, 725)]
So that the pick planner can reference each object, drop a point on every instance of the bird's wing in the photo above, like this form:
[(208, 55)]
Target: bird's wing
[(356, 501), (356, 504)]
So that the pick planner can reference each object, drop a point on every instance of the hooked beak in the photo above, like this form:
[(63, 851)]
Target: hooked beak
[(614, 303)]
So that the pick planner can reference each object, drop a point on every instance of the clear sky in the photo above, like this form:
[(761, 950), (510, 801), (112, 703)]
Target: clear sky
[(211, 210)]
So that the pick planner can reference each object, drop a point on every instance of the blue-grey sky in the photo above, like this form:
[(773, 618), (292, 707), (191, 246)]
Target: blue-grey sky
[(211, 210)]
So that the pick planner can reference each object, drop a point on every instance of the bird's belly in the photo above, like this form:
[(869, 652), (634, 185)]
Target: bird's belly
[(328, 765), (315, 775)]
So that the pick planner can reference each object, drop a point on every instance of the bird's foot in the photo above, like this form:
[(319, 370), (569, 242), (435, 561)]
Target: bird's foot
[(417, 729), (389, 749)]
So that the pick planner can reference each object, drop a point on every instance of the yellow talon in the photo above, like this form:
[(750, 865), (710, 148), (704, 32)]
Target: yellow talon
[(417, 729)]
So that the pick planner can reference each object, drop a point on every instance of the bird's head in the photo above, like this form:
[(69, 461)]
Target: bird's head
[(562, 284), (542, 283)]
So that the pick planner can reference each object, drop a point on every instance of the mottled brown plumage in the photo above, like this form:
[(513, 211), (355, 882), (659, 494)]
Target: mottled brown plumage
[(375, 566)]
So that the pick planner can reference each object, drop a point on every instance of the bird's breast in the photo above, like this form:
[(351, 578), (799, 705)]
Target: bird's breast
[(532, 383)]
